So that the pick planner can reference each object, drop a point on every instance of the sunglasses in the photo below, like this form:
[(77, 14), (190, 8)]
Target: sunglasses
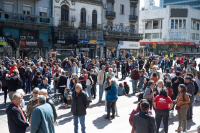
[(35, 92)]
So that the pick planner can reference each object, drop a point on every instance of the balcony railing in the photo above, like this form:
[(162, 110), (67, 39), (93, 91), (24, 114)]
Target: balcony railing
[(93, 1), (64, 23), (90, 34), (90, 26), (23, 18), (110, 14), (111, 34), (134, 1), (133, 17)]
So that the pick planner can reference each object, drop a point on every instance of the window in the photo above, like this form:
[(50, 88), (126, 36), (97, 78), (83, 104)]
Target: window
[(184, 23), (183, 35), (64, 13), (121, 9), (197, 36), (147, 35), (8, 7), (83, 15), (148, 25), (156, 24), (194, 25), (43, 12), (132, 11), (110, 6), (31, 34), (94, 19), (192, 36), (175, 35), (180, 23), (176, 23), (132, 28), (172, 35), (197, 25), (172, 24), (179, 35), (155, 35), (27, 9)]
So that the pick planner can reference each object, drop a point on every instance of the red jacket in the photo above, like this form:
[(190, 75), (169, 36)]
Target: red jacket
[(181, 61), (135, 111), (170, 92)]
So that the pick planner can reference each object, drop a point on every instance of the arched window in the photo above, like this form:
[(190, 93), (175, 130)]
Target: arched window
[(83, 15), (65, 13), (94, 19)]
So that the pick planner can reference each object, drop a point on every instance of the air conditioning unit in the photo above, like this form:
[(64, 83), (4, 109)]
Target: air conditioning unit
[(29, 37), (142, 8), (22, 37), (105, 6)]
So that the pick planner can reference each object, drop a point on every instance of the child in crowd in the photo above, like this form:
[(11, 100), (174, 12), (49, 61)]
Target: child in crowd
[(68, 98), (121, 90), (126, 87)]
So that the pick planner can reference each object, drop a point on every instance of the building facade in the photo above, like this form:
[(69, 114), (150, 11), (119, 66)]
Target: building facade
[(26, 25), (78, 27), (120, 23), (193, 3), (176, 32)]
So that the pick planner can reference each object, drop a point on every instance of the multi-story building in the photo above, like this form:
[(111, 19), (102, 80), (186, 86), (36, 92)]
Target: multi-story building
[(173, 29), (25, 25), (193, 3), (120, 24), (78, 27)]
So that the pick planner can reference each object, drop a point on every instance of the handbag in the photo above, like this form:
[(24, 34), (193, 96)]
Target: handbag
[(178, 108)]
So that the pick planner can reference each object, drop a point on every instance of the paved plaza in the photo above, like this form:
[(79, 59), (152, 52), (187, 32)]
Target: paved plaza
[(95, 122)]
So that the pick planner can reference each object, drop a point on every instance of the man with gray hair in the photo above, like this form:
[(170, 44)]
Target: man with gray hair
[(42, 120), (16, 119), (80, 103)]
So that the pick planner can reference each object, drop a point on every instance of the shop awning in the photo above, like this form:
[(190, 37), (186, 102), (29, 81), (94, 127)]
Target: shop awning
[(167, 43)]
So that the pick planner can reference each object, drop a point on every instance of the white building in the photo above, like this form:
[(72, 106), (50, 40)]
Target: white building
[(78, 27), (172, 29), (120, 23)]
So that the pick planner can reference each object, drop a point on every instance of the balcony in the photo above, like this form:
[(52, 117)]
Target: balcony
[(134, 1), (90, 26), (94, 2), (66, 24), (25, 20), (133, 18), (110, 15)]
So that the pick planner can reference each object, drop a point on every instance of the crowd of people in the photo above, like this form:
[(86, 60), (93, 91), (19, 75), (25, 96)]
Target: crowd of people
[(74, 80)]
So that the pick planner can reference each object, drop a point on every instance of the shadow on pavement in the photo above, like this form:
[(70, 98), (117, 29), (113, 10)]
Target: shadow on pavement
[(64, 115), (96, 105), (101, 122), (64, 121)]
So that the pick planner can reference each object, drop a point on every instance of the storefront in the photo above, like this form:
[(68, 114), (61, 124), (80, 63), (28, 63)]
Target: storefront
[(89, 48), (129, 48), (110, 49), (30, 47), (5, 48), (172, 47)]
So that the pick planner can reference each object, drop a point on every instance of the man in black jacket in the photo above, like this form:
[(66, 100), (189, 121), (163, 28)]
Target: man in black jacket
[(143, 122), (83, 62), (94, 78), (49, 101), (62, 83), (14, 83), (80, 103), (176, 81), (16, 119)]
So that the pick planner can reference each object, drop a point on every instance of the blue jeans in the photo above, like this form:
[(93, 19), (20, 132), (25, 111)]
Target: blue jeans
[(82, 122), (134, 85), (100, 92), (147, 70), (89, 92), (28, 86)]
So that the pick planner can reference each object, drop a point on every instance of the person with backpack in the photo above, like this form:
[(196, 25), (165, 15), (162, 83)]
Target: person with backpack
[(190, 90), (182, 101), (89, 83)]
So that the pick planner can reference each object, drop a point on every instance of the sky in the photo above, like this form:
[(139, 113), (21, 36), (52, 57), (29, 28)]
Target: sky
[(157, 3)]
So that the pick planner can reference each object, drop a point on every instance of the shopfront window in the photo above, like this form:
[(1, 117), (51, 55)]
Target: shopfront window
[(155, 35), (148, 25), (172, 24), (110, 52), (147, 35)]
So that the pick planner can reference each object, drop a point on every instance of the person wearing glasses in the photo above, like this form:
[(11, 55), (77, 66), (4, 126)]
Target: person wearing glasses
[(33, 103)]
